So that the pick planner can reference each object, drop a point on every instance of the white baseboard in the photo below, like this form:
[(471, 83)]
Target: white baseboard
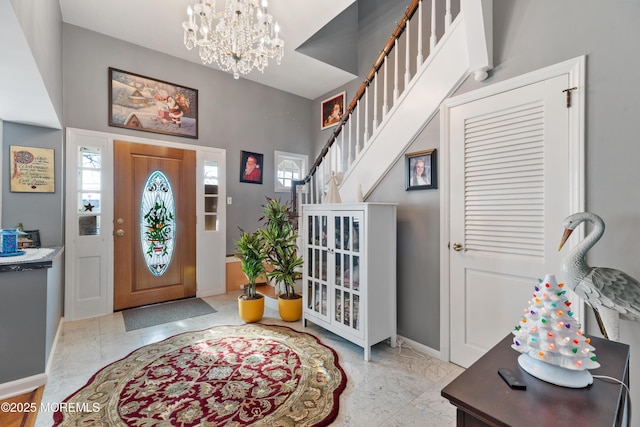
[(209, 293), (54, 346), (21, 386), (421, 348), (28, 384)]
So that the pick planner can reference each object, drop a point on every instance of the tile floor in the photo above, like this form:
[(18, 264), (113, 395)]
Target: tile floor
[(393, 389)]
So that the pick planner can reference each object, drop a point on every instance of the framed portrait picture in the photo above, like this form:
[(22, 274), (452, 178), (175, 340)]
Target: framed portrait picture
[(332, 110), (32, 170), (421, 170), (142, 103), (251, 167)]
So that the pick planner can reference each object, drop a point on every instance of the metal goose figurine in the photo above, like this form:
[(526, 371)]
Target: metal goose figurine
[(611, 293)]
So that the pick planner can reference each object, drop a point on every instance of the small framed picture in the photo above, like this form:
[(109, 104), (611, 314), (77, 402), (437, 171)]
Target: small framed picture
[(421, 170), (31, 239), (251, 167), (332, 110), (32, 169)]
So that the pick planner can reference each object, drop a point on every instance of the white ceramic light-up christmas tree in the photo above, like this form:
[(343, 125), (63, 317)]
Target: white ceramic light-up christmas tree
[(551, 341)]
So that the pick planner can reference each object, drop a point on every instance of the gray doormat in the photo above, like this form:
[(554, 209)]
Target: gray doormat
[(143, 317)]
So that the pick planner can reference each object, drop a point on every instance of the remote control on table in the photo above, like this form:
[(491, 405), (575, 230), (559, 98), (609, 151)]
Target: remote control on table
[(512, 379)]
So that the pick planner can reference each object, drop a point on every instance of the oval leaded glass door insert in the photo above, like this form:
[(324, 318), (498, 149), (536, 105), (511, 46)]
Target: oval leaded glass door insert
[(157, 223)]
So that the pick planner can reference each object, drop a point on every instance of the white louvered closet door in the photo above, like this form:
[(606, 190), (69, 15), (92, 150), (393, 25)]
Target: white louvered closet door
[(509, 196)]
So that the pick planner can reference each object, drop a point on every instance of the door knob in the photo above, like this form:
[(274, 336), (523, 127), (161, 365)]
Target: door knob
[(459, 247), (120, 232)]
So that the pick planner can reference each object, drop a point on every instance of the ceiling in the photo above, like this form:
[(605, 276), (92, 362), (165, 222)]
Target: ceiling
[(157, 25), (316, 27)]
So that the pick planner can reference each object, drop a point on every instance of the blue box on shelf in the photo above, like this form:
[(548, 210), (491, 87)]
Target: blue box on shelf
[(9, 242)]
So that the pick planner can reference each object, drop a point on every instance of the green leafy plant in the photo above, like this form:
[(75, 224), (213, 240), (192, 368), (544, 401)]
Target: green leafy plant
[(279, 235), (158, 224), (251, 255)]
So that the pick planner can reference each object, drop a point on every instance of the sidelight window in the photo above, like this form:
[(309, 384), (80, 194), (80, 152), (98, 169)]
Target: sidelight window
[(211, 196), (89, 193)]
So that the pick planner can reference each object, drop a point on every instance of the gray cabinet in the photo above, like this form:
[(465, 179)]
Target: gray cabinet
[(31, 301)]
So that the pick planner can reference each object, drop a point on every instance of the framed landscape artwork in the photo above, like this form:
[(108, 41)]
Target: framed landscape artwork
[(420, 170), (142, 103)]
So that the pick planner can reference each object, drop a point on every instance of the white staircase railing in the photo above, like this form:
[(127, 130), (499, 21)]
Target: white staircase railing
[(381, 119)]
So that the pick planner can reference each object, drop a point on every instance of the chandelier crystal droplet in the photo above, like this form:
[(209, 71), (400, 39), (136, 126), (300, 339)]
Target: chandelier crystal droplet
[(239, 38)]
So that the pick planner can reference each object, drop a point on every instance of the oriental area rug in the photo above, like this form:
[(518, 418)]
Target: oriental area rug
[(247, 375)]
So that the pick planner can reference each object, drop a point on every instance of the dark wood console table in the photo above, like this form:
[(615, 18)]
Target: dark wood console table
[(482, 398)]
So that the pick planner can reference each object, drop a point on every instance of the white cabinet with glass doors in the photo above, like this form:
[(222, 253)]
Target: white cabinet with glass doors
[(349, 277)]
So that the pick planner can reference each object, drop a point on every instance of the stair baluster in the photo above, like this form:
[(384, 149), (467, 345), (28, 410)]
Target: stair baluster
[(345, 154)]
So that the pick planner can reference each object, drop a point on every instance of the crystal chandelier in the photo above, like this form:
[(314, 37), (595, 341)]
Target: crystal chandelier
[(238, 38)]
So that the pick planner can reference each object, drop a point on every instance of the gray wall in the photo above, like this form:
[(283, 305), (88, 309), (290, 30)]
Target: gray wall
[(233, 114), (418, 280), (41, 24), (377, 19), (28, 298), (30, 311), (418, 225), (2, 160), (529, 35), (36, 211), (23, 305)]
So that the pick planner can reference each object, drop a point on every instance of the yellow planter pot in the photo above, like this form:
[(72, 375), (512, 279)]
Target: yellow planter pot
[(251, 310), (290, 309)]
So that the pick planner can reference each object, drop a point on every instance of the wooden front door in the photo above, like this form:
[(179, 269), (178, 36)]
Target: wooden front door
[(154, 246)]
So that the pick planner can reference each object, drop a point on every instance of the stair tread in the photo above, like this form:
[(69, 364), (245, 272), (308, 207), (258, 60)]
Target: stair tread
[(267, 290)]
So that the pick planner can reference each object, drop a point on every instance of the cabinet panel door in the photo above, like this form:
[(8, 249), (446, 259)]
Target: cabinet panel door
[(347, 298), (317, 264)]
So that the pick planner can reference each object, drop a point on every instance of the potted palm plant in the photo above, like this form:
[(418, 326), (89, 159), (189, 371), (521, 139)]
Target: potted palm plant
[(279, 236), (251, 255)]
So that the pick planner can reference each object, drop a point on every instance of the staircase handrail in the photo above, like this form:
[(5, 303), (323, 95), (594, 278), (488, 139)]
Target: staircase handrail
[(399, 30)]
